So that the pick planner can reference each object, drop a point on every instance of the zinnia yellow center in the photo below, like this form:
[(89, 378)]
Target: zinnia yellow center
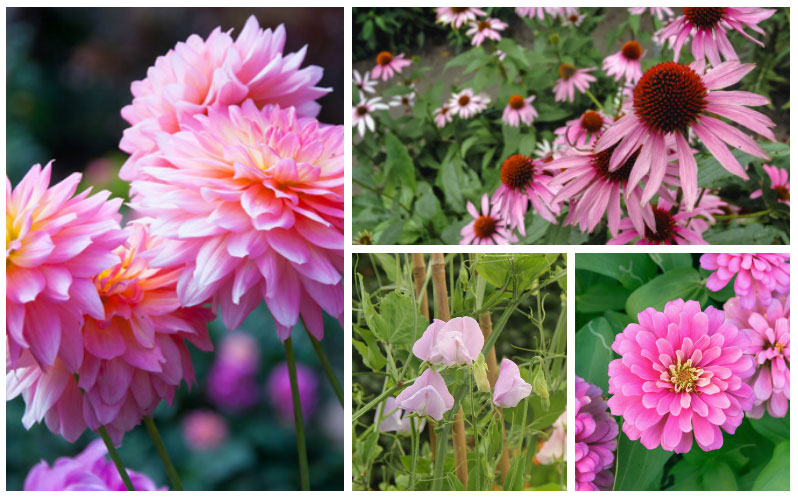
[(684, 375)]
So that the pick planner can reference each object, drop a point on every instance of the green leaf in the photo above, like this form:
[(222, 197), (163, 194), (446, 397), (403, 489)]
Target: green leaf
[(369, 351), (717, 475), (776, 474), (391, 233), (677, 283), (632, 270), (774, 429), (670, 261), (638, 467), (399, 164), (404, 323), (601, 297), (594, 351), (497, 268)]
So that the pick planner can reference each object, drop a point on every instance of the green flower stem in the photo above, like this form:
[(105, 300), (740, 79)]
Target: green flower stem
[(593, 98), (746, 215), (174, 478), (477, 463), (414, 455), (304, 476), (328, 370), (115, 457), (384, 395)]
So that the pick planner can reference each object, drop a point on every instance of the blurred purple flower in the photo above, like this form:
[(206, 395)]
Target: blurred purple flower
[(204, 429), (278, 388), (232, 383)]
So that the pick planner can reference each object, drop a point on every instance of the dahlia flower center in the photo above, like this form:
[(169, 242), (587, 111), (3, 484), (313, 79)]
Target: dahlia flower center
[(517, 171), (567, 71), (704, 17), (464, 100), (684, 375), (362, 110), (666, 227), (384, 58), (483, 25), (601, 162), (782, 192), (516, 102), (11, 234), (631, 50), (592, 121), (669, 97), (779, 347), (484, 226)]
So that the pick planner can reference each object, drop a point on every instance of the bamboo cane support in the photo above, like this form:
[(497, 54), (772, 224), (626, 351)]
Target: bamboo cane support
[(419, 276)]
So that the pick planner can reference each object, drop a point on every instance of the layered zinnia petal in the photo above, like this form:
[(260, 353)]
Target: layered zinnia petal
[(596, 435), (758, 275)]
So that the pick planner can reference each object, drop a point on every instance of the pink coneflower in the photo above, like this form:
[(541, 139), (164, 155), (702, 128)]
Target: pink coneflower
[(55, 243), (519, 109), (596, 435), (443, 115), (546, 152), (404, 100), (625, 63), (704, 213), (680, 374), (581, 132), (388, 65), (204, 430), (759, 275), (457, 16), (523, 182), (361, 114), (660, 12), (486, 28), (671, 99), (198, 74), (570, 79), (487, 227), (668, 227), (540, 12), (768, 328), (252, 204), (779, 182), (573, 19), (708, 26), (465, 104), (364, 83)]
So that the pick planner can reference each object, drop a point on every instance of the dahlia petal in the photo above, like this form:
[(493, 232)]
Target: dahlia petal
[(24, 285), (44, 333)]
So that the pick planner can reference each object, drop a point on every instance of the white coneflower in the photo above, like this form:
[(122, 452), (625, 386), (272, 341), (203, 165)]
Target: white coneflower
[(361, 114)]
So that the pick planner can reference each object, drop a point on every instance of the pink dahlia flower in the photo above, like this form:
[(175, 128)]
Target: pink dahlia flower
[(581, 132), (466, 104), (768, 328), (779, 182), (572, 78), (89, 470), (708, 26), (625, 63), (457, 16), (55, 243), (668, 228), (487, 227), (484, 29), (232, 379), (198, 74), (427, 396), (394, 419), (680, 374), (510, 388), (204, 430), (519, 109), (128, 361), (252, 204), (278, 387), (759, 275), (554, 448), (671, 99), (523, 182), (442, 116), (389, 65), (456, 342), (595, 436)]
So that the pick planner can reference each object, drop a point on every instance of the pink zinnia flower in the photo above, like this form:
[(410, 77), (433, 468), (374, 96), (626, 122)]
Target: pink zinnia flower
[(510, 388), (681, 374), (625, 63), (708, 26), (232, 379), (278, 386), (668, 228), (759, 275), (252, 204), (89, 470), (388, 65), (361, 114), (456, 342), (660, 12), (128, 361), (204, 430), (486, 28), (779, 182), (443, 115), (580, 132), (394, 419), (55, 243), (457, 16), (487, 227), (465, 104), (519, 109), (768, 328), (198, 74), (595, 436), (570, 79), (671, 99), (554, 448), (427, 396), (523, 182)]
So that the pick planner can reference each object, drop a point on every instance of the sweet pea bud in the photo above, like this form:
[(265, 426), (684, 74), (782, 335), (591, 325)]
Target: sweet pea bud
[(539, 384), (481, 374)]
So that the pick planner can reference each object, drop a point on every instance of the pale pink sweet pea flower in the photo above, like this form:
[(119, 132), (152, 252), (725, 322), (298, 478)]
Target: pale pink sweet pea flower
[(388, 65), (487, 227), (486, 28), (523, 183), (572, 79), (394, 419), (510, 388), (457, 16), (554, 448), (625, 63), (519, 109), (204, 430), (779, 182), (759, 275), (456, 342), (427, 396), (595, 438), (443, 116)]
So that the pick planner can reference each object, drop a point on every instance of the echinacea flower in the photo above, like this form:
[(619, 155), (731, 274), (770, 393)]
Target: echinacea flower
[(232, 379), (219, 71), (572, 79), (554, 448), (519, 110), (128, 361), (573, 19), (364, 83), (443, 115), (485, 28), (668, 228), (204, 430), (404, 100), (427, 396), (625, 63), (251, 204), (671, 99), (455, 342), (466, 104), (779, 182), (56, 242), (658, 12), (278, 387), (361, 114), (768, 328), (595, 436), (708, 27), (523, 183), (394, 419), (388, 65), (680, 375), (581, 132), (457, 16), (89, 470), (510, 387), (759, 275), (487, 227), (704, 213)]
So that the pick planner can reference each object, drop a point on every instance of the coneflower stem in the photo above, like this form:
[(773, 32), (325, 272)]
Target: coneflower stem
[(171, 472), (328, 369), (595, 101), (304, 476), (115, 457)]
